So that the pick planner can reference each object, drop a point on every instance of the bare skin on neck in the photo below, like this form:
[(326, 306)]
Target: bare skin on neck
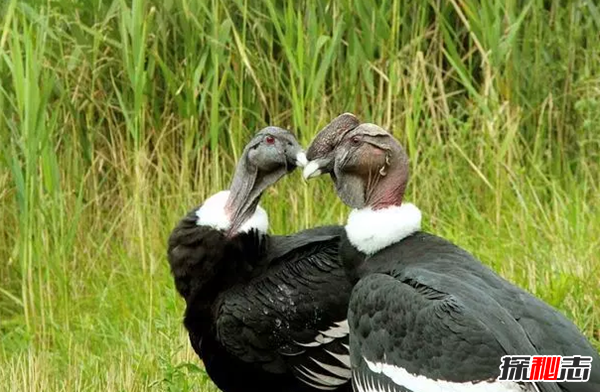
[(244, 195), (389, 187), (269, 156)]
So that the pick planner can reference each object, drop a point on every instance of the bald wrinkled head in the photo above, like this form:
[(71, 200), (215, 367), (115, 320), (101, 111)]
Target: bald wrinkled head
[(320, 151), (273, 148), (328, 137), (271, 154), (370, 168)]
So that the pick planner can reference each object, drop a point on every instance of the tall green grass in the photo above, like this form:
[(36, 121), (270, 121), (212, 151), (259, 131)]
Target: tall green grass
[(117, 117)]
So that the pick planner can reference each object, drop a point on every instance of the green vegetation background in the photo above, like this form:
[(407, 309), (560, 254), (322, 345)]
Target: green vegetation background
[(116, 117)]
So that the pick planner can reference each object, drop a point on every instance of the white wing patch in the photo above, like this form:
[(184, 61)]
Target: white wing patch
[(418, 383), (319, 378), (343, 372), (339, 330), (311, 344), (324, 374), (343, 358), (364, 383)]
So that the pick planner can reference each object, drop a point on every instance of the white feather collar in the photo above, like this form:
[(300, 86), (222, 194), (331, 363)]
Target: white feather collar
[(212, 214), (372, 230)]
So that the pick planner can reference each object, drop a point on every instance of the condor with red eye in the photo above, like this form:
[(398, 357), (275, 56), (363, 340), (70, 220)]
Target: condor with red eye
[(264, 312)]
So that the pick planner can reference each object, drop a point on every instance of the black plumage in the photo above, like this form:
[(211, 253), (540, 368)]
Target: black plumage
[(263, 312), (429, 307), (254, 303)]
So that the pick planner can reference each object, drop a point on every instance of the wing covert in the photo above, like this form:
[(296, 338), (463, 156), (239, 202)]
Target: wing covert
[(413, 333)]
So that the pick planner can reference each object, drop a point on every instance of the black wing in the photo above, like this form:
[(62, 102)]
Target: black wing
[(553, 334), (547, 330), (407, 334), (294, 314)]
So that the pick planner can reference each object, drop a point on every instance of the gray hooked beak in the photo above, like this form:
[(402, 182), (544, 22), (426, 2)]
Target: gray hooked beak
[(313, 168), (296, 156)]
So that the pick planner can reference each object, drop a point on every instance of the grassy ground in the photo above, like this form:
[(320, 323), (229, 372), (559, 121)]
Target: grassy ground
[(117, 117)]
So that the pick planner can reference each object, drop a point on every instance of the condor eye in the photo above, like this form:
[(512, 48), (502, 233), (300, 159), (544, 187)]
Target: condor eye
[(270, 139), (355, 140)]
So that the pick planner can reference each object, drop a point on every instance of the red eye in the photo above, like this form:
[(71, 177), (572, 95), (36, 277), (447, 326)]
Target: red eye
[(270, 139), (355, 139)]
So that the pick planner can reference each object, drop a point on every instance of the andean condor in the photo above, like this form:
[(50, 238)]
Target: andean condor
[(425, 315), (264, 313)]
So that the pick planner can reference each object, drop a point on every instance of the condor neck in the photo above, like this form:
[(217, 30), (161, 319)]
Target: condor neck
[(245, 192), (387, 191), (244, 195)]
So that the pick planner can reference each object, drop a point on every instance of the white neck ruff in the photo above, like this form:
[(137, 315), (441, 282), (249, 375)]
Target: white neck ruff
[(212, 214), (372, 230)]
